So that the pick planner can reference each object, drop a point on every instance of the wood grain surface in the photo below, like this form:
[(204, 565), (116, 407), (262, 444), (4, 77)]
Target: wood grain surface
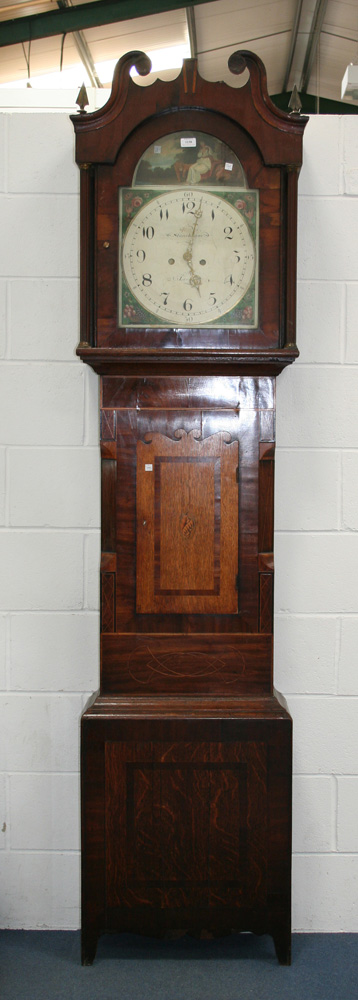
[(190, 825), (200, 663), (197, 820), (187, 524), (243, 509)]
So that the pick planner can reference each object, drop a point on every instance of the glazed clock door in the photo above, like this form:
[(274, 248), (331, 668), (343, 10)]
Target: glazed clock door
[(189, 256)]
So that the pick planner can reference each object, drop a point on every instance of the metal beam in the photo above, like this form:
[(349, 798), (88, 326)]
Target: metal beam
[(190, 20), (292, 44), (86, 58), (82, 49), (313, 39), (86, 15)]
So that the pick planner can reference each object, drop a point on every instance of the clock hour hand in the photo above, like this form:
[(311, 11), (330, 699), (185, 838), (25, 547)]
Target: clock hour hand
[(194, 279)]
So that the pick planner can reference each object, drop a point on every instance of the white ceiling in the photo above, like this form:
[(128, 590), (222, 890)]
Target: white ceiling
[(264, 26)]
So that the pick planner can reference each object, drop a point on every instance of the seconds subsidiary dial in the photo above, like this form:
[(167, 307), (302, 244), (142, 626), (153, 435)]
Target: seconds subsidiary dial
[(189, 258)]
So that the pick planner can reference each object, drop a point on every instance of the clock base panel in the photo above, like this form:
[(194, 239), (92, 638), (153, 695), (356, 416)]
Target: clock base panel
[(186, 818)]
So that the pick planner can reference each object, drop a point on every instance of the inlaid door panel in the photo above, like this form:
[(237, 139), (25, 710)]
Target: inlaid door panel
[(165, 407), (186, 823), (187, 524)]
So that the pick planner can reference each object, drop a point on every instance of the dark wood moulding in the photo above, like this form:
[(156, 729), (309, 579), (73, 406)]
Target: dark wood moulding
[(115, 361)]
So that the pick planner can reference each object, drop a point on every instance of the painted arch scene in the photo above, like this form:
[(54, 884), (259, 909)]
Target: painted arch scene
[(189, 158)]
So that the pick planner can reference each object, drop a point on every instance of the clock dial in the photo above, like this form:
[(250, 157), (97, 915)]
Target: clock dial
[(189, 257)]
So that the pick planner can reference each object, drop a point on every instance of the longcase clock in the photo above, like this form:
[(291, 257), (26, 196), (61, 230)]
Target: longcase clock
[(188, 278)]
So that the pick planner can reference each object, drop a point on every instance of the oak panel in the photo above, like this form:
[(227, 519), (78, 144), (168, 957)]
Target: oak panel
[(171, 664), (108, 602), (108, 503), (266, 504), (186, 823), (266, 602), (214, 391), (187, 524), (241, 425), (267, 425), (108, 425)]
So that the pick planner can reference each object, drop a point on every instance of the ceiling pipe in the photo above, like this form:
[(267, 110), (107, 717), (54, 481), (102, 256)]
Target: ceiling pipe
[(293, 42), (316, 26), (190, 20), (83, 49)]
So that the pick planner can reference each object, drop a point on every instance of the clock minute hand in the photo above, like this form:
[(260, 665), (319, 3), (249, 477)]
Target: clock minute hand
[(195, 279), (198, 215)]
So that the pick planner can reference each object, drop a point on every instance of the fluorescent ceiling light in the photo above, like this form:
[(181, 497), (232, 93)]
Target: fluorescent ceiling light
[(170, 58), (74, 76), (350, 83), (71, 77)]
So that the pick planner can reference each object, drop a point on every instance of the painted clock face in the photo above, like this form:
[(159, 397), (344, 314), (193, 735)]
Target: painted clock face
[(189, 258)]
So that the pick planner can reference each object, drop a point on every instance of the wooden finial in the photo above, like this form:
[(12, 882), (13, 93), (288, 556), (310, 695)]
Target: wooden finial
[(82, 100), (295, 103)]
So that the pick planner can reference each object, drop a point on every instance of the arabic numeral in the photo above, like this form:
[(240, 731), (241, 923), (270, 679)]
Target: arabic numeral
[(188, 207), (164, 214), (141, 255), (229, 280), (146, 280), (212, 214), (228, 231), (237, 256), (165, 297), (213, 297), (148, 232), (187, 305)]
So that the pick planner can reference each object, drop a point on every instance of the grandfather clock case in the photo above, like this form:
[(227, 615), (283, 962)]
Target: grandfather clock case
[(188, 294)]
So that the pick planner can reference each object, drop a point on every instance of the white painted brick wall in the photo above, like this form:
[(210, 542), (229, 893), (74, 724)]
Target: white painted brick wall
[(29, 391), (347, 656), (310, 493), (3, 652), (49, 524), (305, 653), (350, 157), (45, 812), (40, 889), (49, 538), (44, 569), (3, 146), (2, 484), (326, 892), (351, 355), (43, 230), (40, 732), (320, 318), (43, 318), (347, 813), (46, 167), (68, 642), (2, 317), (316, 597), (313, 814), (59, 487)]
